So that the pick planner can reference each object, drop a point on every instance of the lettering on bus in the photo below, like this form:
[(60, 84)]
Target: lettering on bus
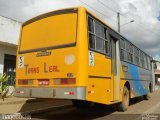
[(43, 53), (46, 69), (31, 70), (52, 68)]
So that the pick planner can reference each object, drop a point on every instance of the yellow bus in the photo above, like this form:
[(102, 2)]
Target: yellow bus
[(72, 54)]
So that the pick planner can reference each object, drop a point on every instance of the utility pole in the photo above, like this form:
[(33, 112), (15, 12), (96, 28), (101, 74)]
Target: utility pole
[(118, 23), (118, 18)]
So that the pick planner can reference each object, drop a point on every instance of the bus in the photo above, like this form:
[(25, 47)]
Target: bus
[(72, 54)]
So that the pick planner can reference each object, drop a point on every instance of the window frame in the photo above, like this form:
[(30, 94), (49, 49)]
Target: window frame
[(134, 51), (106, 39), (132, 54)]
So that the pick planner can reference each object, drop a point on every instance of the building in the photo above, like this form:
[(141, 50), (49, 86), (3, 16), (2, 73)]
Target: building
[(157, 73), (9, 36)]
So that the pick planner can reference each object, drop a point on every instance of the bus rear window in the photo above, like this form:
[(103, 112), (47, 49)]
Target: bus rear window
[(51, 31)]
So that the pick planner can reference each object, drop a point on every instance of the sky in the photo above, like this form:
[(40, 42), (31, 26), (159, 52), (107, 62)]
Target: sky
[(144, 32)]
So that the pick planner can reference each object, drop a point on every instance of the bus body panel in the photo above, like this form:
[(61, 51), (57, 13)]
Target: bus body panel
[(138, 78), (92, 71), (59, 64), (99, 83), (54, 63), (49, 31), (47, 49)]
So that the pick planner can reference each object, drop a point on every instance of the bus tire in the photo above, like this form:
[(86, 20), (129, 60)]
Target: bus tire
[(148, 96), (122, 106), (82, 104)]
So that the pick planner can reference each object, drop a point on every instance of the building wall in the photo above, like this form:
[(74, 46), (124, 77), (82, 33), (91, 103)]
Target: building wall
[(157, 74), (9, 30), (4, 49), (158, 65), (9, 36)]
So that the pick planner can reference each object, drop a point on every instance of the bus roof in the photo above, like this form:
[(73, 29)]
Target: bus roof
[(44, 15)]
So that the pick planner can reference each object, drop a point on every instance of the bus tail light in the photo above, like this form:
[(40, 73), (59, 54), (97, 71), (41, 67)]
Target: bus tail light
[(25, 82), (69, 93), (64, 81), (20, 92)]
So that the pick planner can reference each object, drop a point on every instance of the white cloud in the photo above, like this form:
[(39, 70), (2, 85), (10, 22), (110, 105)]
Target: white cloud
[(144, 32)]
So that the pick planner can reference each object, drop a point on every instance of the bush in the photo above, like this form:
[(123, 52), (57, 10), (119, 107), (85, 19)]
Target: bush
[(3, 86)]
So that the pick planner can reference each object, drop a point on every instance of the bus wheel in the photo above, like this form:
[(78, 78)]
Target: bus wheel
[(82, 104), (148, 95), (122, 106)]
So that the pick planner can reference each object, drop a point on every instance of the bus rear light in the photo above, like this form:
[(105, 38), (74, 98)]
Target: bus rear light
[(64, 81), (91, 92), (19, 92), (25, 82), (69, 93)]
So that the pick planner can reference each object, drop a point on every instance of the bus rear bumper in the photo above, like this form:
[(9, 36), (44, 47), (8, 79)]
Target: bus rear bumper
[(61, 93)]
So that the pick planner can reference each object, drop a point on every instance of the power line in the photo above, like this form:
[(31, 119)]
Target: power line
[(116, 12), (148, 29), (110, 8), (107, 6), (10, 18), (125, 16), (97, 11), (142, 26)]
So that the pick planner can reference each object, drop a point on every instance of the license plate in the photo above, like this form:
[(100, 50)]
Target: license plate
[(43, 82)]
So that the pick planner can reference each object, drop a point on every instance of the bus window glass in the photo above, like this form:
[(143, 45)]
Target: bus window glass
[(122, 48), (127, 46), (129, 57), (145, 62), (125, 55), (91, 41), (141, 60), (99, 30), (98, 36), (99, 44), (122, 54), (131, 49), (136, 60), (136, 56), (122, 44), (90, 25), (107, 42)]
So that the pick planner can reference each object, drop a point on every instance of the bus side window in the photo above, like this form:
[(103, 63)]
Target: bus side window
[(100, 36), (91, 41), (91, 33), (90, 25), (136, 56), (123, 52), (107, 42), (145, 62), (141, 59)]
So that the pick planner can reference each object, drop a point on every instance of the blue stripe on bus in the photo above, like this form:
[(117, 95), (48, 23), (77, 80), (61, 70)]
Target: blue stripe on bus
[(137, 85)]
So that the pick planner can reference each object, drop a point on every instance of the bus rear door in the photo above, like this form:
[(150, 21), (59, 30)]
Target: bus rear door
[(114, 69)]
